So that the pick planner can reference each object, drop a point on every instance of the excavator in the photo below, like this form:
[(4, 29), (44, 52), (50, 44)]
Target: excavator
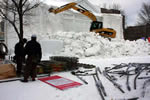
[(96, 26)]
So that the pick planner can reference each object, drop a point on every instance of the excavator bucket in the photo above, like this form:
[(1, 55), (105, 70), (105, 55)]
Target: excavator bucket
[(106, 32)]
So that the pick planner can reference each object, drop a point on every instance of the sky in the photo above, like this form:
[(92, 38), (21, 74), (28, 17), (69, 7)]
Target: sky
[(131, 7)]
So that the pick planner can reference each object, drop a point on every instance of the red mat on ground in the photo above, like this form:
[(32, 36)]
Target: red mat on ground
[(59, 82)]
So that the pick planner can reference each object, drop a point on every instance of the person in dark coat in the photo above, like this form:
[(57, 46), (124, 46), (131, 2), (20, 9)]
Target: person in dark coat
[(34, 54), (20, 55)]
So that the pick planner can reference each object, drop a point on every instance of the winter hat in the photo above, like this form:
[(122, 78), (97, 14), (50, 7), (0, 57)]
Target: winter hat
[(33, 36)]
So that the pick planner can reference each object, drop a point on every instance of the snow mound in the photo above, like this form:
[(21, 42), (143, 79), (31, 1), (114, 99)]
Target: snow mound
[(89, 44)]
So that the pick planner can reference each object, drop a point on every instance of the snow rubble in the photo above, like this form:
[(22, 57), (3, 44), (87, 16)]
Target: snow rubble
[(88, 44)]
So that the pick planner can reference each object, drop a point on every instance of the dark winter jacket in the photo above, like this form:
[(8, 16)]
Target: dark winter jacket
[(19, 49), (33, 48)]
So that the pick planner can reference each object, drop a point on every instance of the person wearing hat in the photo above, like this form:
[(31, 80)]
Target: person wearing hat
[(20, 55), (34, 54)]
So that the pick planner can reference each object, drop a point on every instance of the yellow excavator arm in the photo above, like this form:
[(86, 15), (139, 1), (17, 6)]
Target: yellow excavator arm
[(106, 32), (62, 8), (73, 6)]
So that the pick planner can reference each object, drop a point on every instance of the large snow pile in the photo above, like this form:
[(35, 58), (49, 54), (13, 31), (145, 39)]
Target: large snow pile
[(87, 44)]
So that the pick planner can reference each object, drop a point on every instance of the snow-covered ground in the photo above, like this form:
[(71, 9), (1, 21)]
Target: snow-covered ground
[(41, 91), (90, 49)]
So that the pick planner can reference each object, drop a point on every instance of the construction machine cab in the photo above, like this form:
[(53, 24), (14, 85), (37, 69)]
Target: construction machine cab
[(96, 25)]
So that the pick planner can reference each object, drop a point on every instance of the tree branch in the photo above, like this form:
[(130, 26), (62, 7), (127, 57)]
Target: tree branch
[(28, 8), (24, 2), (11, 22)]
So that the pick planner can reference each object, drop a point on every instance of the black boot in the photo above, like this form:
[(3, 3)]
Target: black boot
[(33, 79), (24, 80), (18, 74)]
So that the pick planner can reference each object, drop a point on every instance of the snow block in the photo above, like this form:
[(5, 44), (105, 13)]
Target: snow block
[(51, 46)]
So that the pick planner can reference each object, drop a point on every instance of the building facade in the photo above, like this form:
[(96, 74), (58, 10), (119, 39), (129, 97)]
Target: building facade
[(137, 32)]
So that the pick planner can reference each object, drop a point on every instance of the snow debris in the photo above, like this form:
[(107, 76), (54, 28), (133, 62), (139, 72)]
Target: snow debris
[(89, 44)]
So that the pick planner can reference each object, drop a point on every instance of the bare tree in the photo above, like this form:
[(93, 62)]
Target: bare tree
[(14, 12), (144, 15)]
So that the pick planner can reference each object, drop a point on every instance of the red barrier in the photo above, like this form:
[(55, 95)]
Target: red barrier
[(149, 39), (59, 82)]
